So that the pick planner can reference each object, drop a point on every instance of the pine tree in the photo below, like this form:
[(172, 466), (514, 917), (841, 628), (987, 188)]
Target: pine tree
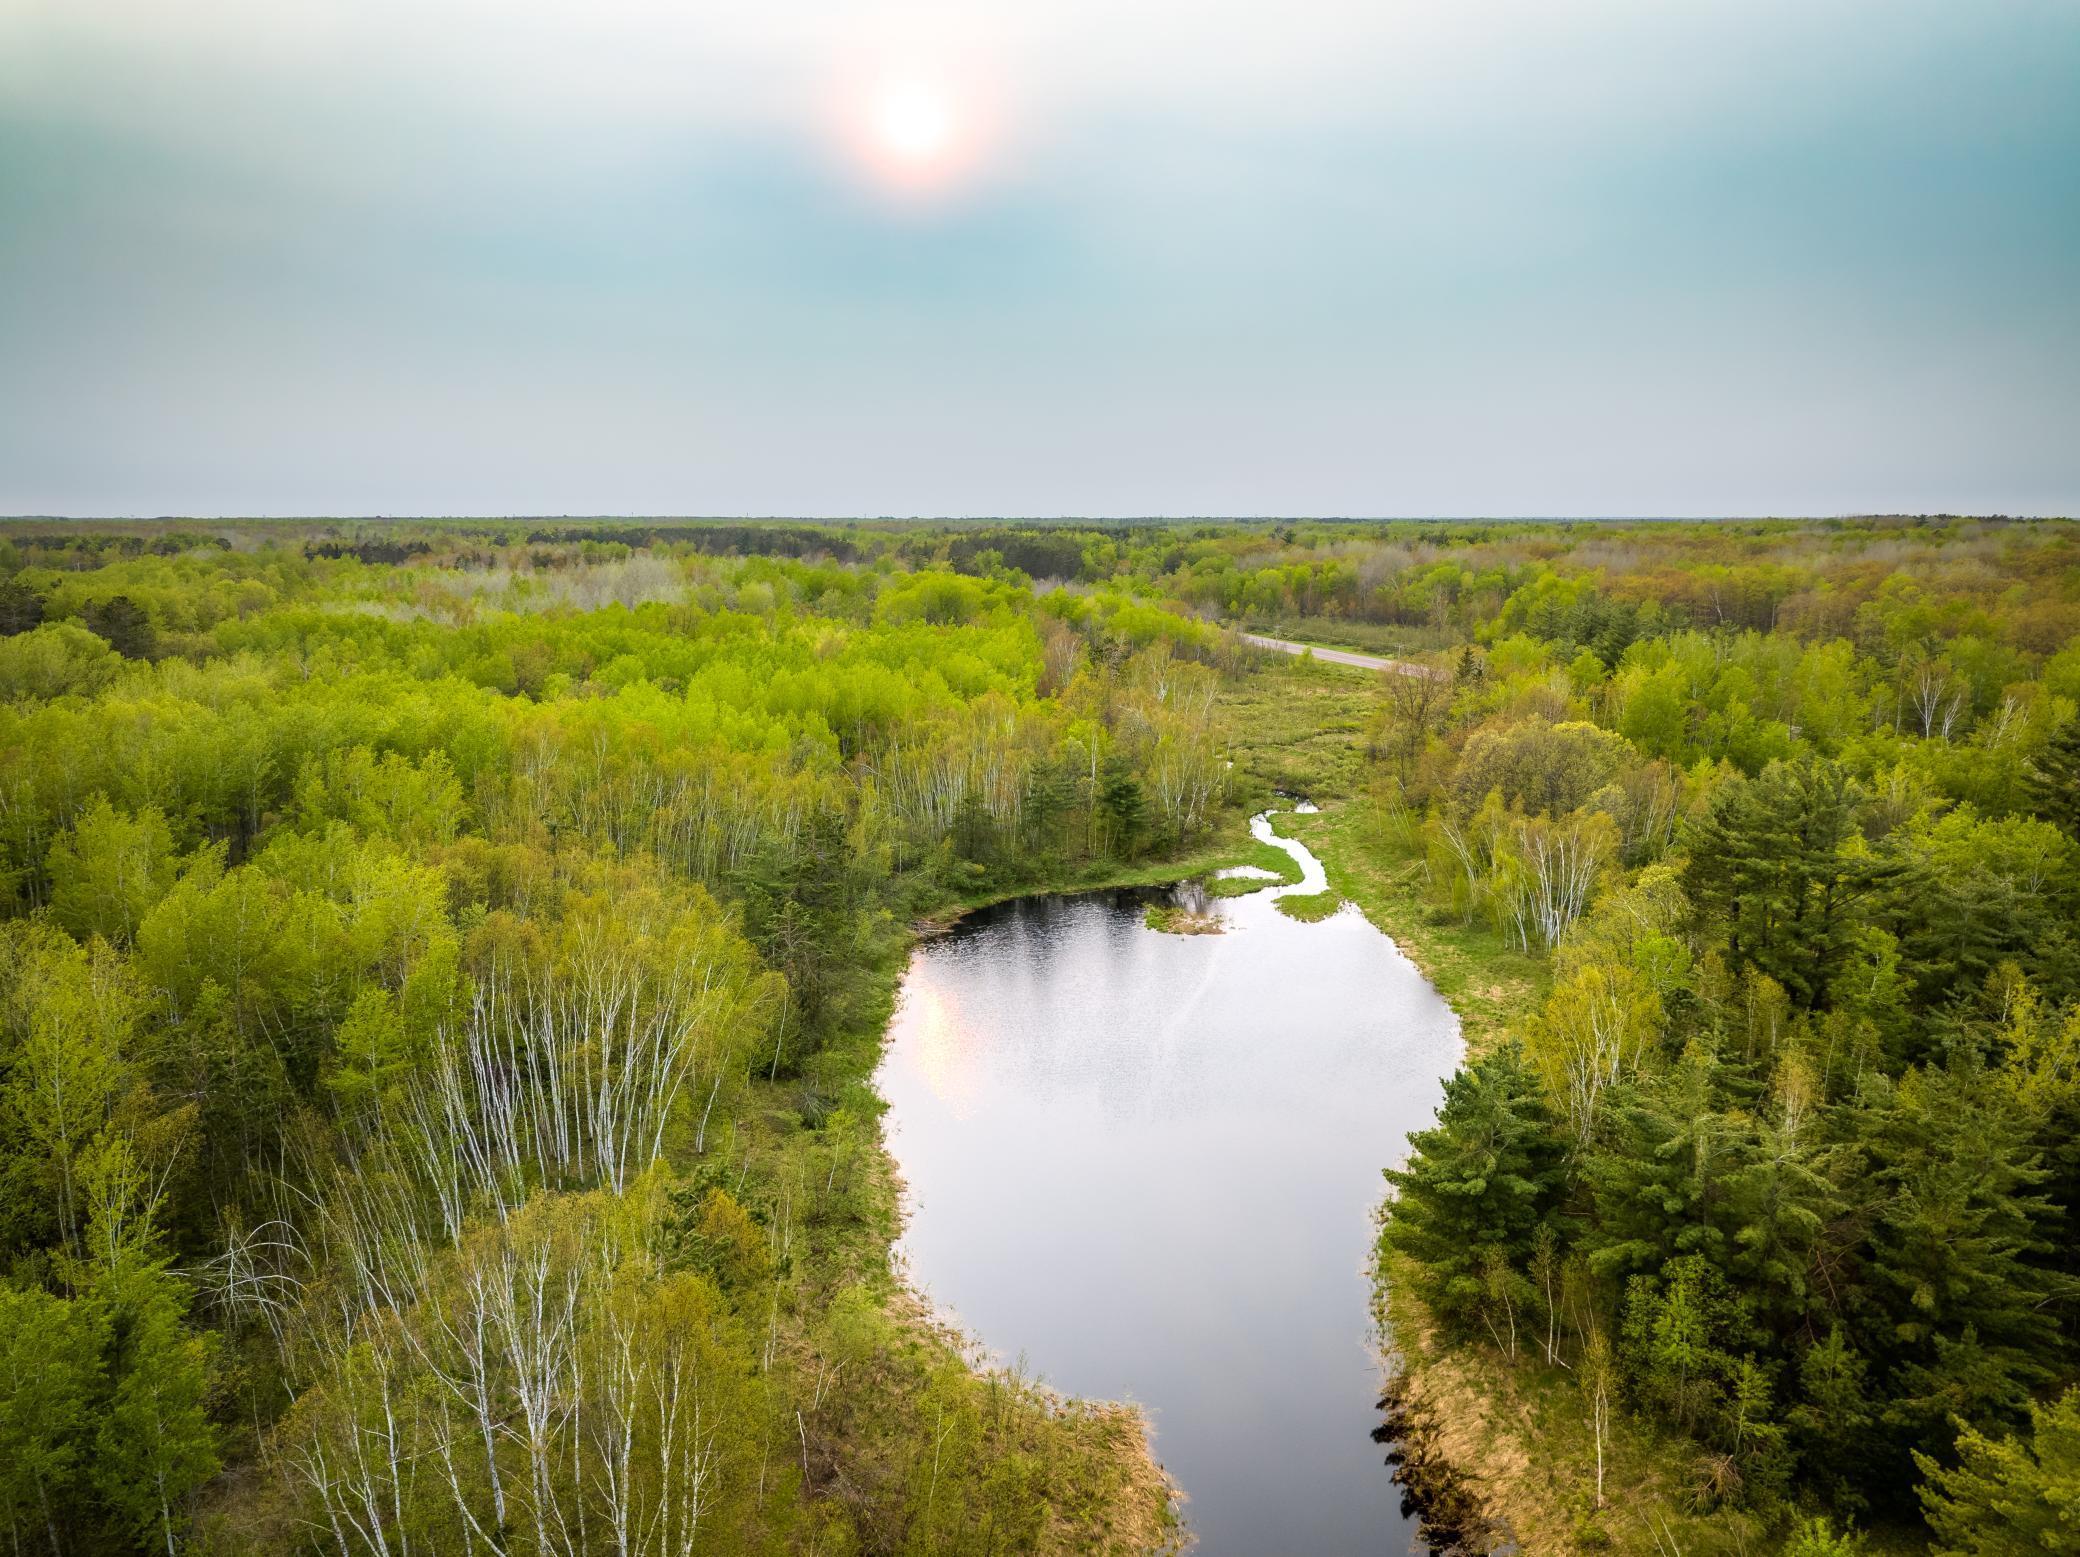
[(1656, 1175), (1477, 1185), (1679, 1330), (1955, 1251), (1781, 1195), (1768, 860), (2054, 780), (2009, 1497), (122, 621), (1831, 1420), (21, 608)]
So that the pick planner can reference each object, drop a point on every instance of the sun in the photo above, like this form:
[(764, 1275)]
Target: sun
[(913, 121), (915, 133)]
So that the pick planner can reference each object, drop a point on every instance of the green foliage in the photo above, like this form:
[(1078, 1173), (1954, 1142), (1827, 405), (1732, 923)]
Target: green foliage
[(1955, 1251), (54, 660), (1773, 860), (1477, 1186), (50, 1374), (1814, 1000), (111, 870), (1549, 769), (319, 845), (2054, 780), (1819, 1538), (21, 608), (387, 942), (155, 1444), (2007, 1497)]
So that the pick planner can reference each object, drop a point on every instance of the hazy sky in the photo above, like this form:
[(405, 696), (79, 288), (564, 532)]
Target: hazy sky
[(1039, 256)]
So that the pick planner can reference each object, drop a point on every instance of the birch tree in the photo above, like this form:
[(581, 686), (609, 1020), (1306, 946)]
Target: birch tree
[(1549, 871), (1591, 1033)]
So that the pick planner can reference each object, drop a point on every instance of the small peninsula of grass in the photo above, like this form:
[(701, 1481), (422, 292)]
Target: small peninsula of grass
[(1488, 982), (1308, 907), (1266, 865)]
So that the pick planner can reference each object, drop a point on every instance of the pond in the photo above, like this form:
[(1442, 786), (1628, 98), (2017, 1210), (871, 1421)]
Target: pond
[(1145, 1166)]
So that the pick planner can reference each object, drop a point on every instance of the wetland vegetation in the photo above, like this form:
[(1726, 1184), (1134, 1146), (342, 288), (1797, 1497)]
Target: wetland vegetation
[(446, 964)]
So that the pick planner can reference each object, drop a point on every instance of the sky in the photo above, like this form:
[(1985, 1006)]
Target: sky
[(1039, 257)]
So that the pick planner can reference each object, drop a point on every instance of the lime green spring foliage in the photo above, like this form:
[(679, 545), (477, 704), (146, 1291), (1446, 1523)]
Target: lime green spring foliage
[(1310, 907), (1790, 1137), (2010, 1496), (441, 971), (1819, 1538), (443, 964)]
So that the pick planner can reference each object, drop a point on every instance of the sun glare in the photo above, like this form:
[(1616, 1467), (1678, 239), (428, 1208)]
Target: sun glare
[(914, 121), (915, 133)]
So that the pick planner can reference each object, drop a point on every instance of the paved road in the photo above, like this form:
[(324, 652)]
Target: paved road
[(1340, 656)]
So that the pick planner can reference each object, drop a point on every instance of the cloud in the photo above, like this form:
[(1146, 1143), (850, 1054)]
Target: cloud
[(1383, 256), (1454, 65)]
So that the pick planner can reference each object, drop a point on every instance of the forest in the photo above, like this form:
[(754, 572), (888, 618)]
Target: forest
[(439, 991), (1778, 1156), (445, 962)]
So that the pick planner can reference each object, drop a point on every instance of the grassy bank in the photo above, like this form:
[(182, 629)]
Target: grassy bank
[(1517, 1436), (1335, 632), (1491, 985)]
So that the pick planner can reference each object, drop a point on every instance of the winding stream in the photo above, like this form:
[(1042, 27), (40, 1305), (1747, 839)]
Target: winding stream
[(1146, 1166)]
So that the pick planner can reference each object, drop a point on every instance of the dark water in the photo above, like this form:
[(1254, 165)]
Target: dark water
[(1146, 1164)]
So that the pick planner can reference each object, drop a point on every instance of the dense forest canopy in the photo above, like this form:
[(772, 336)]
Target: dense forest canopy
[(1783, 1159), (435, 1015), (444, 961)]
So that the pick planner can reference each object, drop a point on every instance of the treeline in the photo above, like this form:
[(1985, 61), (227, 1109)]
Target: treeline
[(436, 1011), (1424, 584), (1786, 1163)]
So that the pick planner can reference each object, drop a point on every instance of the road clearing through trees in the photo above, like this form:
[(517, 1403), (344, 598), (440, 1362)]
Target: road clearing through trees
[(1340, 656)]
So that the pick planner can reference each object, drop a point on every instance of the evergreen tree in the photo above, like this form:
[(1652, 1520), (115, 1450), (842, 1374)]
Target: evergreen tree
[(1771, 861), (1831, 1419), (2054, 779), (122, 621), (21, 608), (1655, 1176), (2009, 1497), (1477, 1184), (1681, 1331), (1781, 1196), (1955, 1250), (1121, 803)]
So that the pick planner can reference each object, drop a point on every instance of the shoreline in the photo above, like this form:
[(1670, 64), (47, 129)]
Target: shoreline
[(1148, 1505), (1430, 1426), (1434, 1495)]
